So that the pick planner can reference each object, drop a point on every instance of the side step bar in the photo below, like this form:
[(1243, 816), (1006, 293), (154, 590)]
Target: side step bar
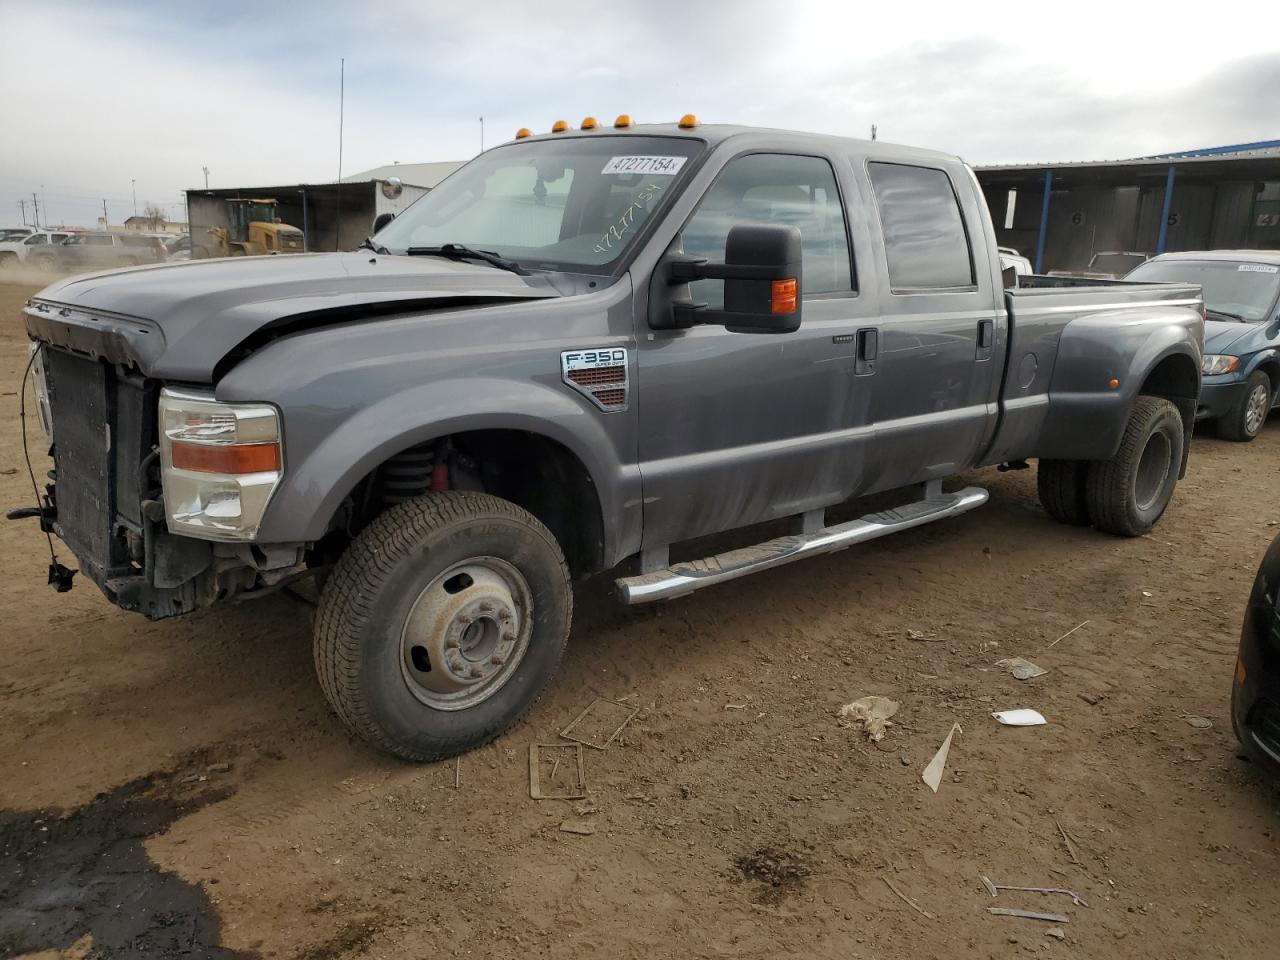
[(682, 578)]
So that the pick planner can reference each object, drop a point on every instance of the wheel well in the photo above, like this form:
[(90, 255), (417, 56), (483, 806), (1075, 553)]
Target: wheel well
[(1176, 379), (532, 471), (1272, 369)]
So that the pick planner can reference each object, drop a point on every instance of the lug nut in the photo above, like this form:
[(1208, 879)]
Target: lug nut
[(486, 607), (508, 635), (477, 671), (453, 643), (497, 659)]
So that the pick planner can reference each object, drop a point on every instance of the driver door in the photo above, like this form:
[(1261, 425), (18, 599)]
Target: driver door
[(739, 428)]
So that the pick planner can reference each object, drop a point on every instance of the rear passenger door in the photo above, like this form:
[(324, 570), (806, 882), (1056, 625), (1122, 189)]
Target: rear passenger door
[(932, 403)]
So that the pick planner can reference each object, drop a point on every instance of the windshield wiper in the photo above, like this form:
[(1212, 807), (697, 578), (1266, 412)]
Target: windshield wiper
[(1222, 313), (457, 251), (368, 244)]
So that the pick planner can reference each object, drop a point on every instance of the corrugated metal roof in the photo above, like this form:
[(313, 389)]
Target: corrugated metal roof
[(416, 174), (1261, 150)]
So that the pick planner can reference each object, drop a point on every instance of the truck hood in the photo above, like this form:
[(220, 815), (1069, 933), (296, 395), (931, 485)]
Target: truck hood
[(177, 321), (1221, 336)]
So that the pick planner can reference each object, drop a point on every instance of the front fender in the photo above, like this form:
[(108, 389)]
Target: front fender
[(1254, 361), (318, 479), (1087, 416)]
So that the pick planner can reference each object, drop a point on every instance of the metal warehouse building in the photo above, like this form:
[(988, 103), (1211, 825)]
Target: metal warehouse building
[(331, 216), (1061, 214)]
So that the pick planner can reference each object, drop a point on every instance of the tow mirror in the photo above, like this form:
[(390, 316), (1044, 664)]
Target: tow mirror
[(382, 220), (762, 282)]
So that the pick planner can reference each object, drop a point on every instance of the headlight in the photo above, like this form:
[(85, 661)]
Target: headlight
[(1216, 363), (220, 464)]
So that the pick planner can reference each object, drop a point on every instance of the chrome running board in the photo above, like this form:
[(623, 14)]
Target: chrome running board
[(682, 578)]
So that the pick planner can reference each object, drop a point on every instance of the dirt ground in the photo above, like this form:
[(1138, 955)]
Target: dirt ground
[(179, 789)]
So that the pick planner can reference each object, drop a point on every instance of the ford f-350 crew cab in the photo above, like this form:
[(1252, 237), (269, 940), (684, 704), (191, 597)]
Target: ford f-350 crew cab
[(578, 350)]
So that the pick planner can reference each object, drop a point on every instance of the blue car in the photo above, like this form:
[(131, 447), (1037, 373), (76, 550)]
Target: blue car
[(1241, 336)]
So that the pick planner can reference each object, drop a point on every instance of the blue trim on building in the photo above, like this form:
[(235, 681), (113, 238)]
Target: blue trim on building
[(1164, 213), (1044, 220), (1215, 151)]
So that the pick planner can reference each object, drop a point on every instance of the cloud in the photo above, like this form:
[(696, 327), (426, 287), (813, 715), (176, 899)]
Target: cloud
[(99, 95)]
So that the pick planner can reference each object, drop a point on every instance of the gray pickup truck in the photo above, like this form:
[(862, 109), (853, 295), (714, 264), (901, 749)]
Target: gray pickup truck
[(580, 350)]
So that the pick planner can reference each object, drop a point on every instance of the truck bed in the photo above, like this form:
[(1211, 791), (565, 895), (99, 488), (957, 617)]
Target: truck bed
[(1069, 340)]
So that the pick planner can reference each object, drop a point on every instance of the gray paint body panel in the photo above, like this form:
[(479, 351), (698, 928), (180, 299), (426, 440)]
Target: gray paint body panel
[(722, 429)]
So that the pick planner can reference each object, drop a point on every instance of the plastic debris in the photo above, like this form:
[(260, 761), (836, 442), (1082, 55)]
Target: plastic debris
[(907, 900), (1200, 723), (580, 827), (1022, 669), (932, 775), (1023, 717), (1071, 631), (1028, 915), (1056, 932), (871, 713)]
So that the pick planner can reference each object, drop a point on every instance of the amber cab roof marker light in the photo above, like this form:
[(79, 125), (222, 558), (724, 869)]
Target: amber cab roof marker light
[(560, 126), (589, 123), (523, 132), (623, 122), (688, 121)]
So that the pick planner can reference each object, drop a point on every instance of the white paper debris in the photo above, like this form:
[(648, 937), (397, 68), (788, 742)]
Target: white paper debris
[(1022, 669), (932, 775), (871, 713), (1020, 718)]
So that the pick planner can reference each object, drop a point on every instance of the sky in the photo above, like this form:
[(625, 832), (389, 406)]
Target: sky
[(112, 99)]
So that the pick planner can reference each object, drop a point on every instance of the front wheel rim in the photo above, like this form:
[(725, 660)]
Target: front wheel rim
[(1255, 410), (466, 633)]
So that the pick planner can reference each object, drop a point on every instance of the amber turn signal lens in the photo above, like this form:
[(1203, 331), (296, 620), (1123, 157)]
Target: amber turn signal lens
[(233, 458), (688, 121), (1113, 383), (783, 298), (623, 121), (1240, 672), (590, 123), (560, 126), (523, 132)]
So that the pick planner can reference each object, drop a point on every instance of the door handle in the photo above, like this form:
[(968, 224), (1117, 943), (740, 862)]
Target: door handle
[(868, 347), (986, 339)]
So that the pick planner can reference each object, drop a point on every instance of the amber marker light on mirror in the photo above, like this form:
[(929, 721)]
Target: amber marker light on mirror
[(783, 296), (560, 126), (523, 132), (688, 121), (589, 123), (623, 122)]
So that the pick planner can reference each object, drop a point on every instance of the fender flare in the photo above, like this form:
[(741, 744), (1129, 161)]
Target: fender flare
[(313, 488)]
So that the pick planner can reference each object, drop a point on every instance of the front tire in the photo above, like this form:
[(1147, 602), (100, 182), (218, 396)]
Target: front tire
[(1244, 421), (1129, 493), (1061, 485), (442, 623)]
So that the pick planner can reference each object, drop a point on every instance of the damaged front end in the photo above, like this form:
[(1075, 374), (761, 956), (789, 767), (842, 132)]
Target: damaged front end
[(121, 445)]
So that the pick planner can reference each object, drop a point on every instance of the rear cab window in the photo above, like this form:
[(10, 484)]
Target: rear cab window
[(926, 241)]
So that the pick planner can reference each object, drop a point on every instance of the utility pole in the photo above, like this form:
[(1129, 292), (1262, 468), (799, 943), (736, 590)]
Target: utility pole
[(134, 184), (873, 131), (206, 177), (482, 134), (106, 221), (22, 204), (35, 206)]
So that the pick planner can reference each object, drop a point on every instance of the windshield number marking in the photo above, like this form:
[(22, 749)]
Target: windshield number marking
[(1257, 268), (653, 166)]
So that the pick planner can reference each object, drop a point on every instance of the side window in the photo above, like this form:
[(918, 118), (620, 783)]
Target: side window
[(924, 236), (36, 239), (774, 188)]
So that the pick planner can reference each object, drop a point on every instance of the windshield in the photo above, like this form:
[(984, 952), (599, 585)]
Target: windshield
[(576, 204), (1246, 290)]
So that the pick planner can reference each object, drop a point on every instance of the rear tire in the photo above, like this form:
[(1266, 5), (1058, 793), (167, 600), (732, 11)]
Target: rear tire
[(1061, 485), (1130, 492), (442, 623), (1244, 421)]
